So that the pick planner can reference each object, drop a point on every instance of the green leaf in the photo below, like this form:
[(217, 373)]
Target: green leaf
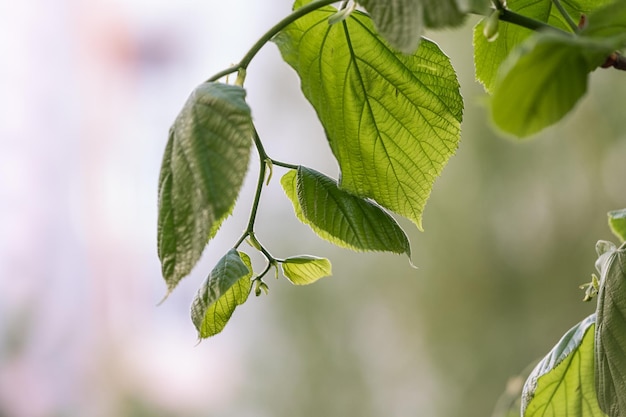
[(227, 286), (488, 56), (610, 341), (306, 269), (392, 120), (400, 22), (340, 217), (617, 222), (203, 167), (562, 384), (540, 83), (607, 22)]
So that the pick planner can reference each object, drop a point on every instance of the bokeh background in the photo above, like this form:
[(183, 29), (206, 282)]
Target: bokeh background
[(88, 92)]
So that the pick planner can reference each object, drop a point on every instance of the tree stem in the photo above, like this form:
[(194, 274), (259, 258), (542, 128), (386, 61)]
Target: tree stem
[(509, 16), (295, 15)]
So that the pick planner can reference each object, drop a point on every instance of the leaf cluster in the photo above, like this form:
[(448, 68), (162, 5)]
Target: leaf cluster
[(390, 104)]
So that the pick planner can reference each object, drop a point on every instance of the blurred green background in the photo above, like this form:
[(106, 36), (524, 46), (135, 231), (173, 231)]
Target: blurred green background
[(510, 231)]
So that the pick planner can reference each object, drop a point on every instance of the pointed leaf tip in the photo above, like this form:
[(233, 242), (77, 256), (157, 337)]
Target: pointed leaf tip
[(340, 217), (203, 168)]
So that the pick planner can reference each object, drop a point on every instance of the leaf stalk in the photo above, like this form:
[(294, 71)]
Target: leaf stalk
[(267, 36)]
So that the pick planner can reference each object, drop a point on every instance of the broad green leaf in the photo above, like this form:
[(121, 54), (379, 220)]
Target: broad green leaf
[(488, 56), (540, 83), (617, 222), (203, 167), (340, 217), (305, 269), (562, 384), (392, 120), (610, 341), (227, 286)]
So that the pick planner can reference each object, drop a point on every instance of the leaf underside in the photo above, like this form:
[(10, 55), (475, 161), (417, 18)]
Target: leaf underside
[(561, 385), (203, 168), (392, 120), (227, 286), (610, 342)]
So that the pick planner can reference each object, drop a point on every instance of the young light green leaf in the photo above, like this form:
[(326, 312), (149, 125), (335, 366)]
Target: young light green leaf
[(562, 384), (392, 120), (488, 56), (203, 167), (541, 81), (340, 217), (305, 269), (617, 222), (227, 286), (610, 339)]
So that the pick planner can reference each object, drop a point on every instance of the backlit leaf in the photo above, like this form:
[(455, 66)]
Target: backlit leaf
[(617, 222), (305, 269), (392, 120), (610, 343), (203, 167), (562, 384), (227, 286), (541, 81), (488, 56), (340, 217)]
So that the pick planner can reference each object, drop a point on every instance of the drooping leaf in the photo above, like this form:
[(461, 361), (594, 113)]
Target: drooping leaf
[(562, 384), (305, 269), (400, 22), (340, 217), (203, 167), (227, 286), (610, 340), (541, 81), (442, 13), (617, 222), (488, 56), (392, 120)]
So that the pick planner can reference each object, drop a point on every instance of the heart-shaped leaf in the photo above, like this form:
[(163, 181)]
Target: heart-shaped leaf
[(392, 120)]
